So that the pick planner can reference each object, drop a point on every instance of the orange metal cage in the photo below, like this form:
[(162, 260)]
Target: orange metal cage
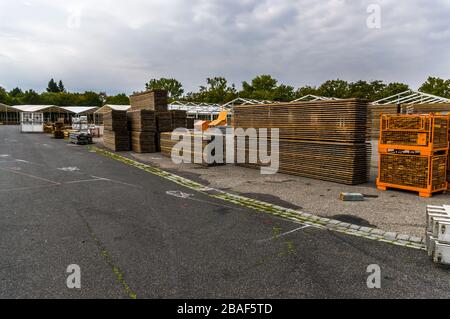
[(424, 133), (413, 153)]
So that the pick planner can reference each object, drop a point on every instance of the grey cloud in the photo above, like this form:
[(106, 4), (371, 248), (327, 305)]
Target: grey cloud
[(120, 45)]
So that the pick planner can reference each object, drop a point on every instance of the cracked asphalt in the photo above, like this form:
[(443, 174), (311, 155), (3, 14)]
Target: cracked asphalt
[(61, 205)]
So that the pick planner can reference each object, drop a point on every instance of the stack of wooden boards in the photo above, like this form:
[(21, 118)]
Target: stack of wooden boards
[(155, 100), (192, 154), (178, 118), (115, 135), (59, 130), (427, 108), (321, 139), (142, 125), (413, 153)]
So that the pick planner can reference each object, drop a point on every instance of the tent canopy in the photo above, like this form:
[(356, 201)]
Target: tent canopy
[(4, 108), (109, 107), (80, 110)]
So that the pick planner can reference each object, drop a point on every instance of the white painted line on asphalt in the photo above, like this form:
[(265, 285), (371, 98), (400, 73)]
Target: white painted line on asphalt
[(26, 188), (69, 169), (4, 155), (31, 176), (179, 194), (116, 182), (23, 161), (283, 235), (85, 181)]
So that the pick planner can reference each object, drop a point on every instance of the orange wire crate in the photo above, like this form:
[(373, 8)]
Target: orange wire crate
[(425, 174), (424, 133)]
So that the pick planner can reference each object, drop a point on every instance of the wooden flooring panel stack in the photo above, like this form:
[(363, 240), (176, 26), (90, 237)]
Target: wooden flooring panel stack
[(142, 121), (143, 142), (116, 136), (190, 123), (323, 140), (142, 124), (428, 108), (344, 163), (164, 122), (156, 100), (178, 118), (341, 121), (167, 145)]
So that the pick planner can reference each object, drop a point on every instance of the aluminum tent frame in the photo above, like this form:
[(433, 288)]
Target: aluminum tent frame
[(412, 97), (243, 101), (312, 98)]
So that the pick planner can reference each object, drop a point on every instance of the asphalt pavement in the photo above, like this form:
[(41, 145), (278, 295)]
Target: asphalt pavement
[(132, 235)]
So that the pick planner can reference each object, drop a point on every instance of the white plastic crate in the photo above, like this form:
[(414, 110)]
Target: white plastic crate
[(438, 233), (442, 253)]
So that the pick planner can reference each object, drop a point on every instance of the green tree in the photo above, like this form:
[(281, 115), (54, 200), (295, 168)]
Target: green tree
[(172, 86), (436, 86), (90, 98), (61, 87), (334, 88), (365, 90), (16, 92), (262, 87), (4, 98), (217, 91), (284, 93), (119, 99), (31, 97), (52, 87)]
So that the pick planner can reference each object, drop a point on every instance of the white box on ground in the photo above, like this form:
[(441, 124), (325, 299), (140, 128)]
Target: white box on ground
[(436, 221), (441, 253), (431, 216), (431, 245), (443, 231)]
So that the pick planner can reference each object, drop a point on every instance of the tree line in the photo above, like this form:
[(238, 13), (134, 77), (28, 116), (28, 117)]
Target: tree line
[(218, 90), (56, 94), (265, 87)]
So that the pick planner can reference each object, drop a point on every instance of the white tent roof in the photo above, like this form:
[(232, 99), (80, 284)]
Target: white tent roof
[(107, 107), (79, 109), (32, 108), (119, 107)]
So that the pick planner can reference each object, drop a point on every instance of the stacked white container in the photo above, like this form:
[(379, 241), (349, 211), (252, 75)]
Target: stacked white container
[(438, 233)]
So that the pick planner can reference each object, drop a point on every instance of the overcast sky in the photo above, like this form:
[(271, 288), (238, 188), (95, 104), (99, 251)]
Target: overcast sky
[(116, 46)]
